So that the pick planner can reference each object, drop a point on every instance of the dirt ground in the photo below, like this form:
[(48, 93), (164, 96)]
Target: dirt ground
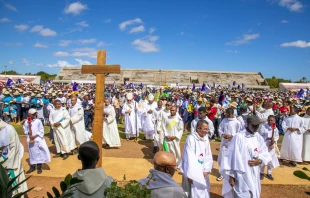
[(293, 187)]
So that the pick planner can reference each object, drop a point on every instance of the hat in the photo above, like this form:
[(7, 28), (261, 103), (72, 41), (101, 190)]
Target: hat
[(129, 96), (150, 97), (233, 104), (33, 94), (6, 103), (199, 100), (16, 93), (53, 94), (249, 100), (60, 93), (6, 93), (32, 111), (228, 99), (39, 96)]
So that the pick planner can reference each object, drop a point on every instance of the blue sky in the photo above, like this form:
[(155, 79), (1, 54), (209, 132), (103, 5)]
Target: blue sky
[(270, 36)]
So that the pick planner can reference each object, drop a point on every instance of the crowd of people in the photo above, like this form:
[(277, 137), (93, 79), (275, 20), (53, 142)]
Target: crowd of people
[(248, 123)]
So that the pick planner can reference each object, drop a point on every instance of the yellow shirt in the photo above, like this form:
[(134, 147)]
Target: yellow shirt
[(190, 108)]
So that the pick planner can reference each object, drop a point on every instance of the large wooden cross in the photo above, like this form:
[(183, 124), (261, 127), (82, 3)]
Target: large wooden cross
[(100, 70)]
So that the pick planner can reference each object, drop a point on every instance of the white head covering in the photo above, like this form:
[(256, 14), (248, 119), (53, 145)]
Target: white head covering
[(32, 111), (129, 96), (150, 97)]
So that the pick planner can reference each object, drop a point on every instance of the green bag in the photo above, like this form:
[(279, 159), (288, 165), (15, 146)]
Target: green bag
[(165, 146)]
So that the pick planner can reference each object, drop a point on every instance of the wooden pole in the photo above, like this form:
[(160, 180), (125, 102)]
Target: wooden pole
[(99, 105)]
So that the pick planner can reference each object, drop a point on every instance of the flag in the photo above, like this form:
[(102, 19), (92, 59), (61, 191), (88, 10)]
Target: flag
[(234, 83), (208, 88), (300, 93), (125, 83), (141, 85), (20, 81), (242, 85), (48, 83), (239, 87), (114, 84), (45, 91), (177, 85), (9, 82), (219, 87), (203, 87), (165, 146), (214, 85), (194, 87), (308, 91), (228, 86), (74, 86)]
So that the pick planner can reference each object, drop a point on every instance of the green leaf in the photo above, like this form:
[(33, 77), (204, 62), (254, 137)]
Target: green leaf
[(13, 180), (56, 192), (301, 175), (18, 185), (305, 169), (63, 186), (75, 181), (49, 195), (68, 179), (19, 195)]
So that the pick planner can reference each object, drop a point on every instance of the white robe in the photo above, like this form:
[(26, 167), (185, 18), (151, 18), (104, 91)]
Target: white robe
[(263, 115), (38, 151), (131, 120), (231, 127), (210, 124), (110, 130), (291, 148), (156, 115), (173, 126), (141, 109), (243, 147), (266, 132), (306, 140), (77, 124), (197, 159), (62, 134), (13, 152), (148, 121), (160, 128)]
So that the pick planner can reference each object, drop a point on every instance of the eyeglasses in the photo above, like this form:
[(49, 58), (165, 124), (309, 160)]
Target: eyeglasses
[(171, 166), (168, 105)]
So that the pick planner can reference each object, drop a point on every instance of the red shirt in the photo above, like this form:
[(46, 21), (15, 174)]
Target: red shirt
[(212, 112), (284, 109)]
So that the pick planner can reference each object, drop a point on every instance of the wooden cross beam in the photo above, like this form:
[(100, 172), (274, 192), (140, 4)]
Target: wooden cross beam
[(100, 70)]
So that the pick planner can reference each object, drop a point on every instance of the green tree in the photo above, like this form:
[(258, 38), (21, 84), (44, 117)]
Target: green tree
[(46, 76), (10, 72), (274, 82)]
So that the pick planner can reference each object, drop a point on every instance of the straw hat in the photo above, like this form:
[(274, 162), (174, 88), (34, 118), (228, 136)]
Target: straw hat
[(150, 97), (39, 96), (199, 100), (129, 96), (233, 105), (33, 95), (6, 93), (16, 93), (32, 111)]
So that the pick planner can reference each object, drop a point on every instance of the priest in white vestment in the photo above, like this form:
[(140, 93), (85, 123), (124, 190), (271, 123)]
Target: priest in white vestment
[(263, 114), (163, 115), (294, 127), (77, 123), (173, 130), (270, 133), (37, 147), (141, 109), (60, 121), (306, 140), (110, 130), (197, 162), (147, 118), (228, 128), (13, 154), (156, 116), (240, 165), (130, 113), (202, 115)]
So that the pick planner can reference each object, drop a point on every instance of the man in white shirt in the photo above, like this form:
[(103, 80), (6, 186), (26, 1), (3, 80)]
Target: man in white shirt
[(202, 115)]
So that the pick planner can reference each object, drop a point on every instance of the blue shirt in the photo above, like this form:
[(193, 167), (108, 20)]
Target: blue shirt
[(46, 101), (6, 109), (7, 99), (18, 99), (13, 108)]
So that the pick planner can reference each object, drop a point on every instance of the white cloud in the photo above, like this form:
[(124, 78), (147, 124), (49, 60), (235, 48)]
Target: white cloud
[(84, 52), (108, 20), (246, 38), (61, 54), (13, 44), (137, 29), (292, 5), (62, 63), (43, 31), (64, 43), (11, 62), (232, 51), (152, 30), (100, 44), (86, 41), (21, 27), (146, 44), (284, 21), (11, 7), (123, 25), (5, 20), (182, 33), (25, 62), (39, 45), (75, 8), (299, 43), (83, 24)]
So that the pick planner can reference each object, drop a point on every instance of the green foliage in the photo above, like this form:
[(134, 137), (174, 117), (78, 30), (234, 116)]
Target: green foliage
[(273, 82), (301, 174), (65, 185), (10, 72), (130, 190), (45, 76), (6, 187)]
